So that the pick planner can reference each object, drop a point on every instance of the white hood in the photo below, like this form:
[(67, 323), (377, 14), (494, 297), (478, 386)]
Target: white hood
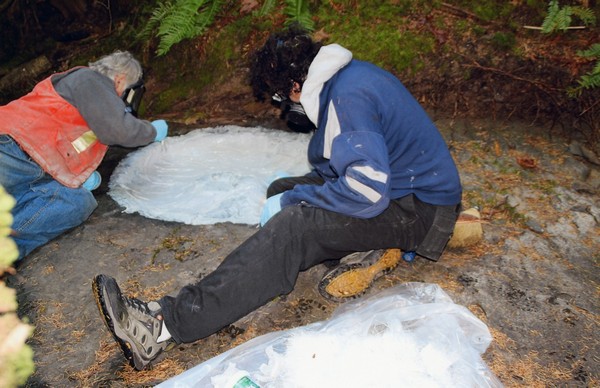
[(329, 60)]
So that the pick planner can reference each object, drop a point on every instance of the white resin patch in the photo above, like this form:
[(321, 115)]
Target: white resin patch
[(209, 175)]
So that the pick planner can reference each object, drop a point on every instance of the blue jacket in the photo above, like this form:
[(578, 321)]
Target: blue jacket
[(373, 141)]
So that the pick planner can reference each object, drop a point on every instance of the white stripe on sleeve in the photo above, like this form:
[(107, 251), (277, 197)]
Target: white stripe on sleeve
[(371, 173), (332, 130), (363, 189)]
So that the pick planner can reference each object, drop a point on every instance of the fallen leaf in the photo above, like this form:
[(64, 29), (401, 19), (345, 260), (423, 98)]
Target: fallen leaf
[(527, 162), (497, 148)]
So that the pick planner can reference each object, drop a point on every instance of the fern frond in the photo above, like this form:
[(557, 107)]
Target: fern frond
[(557, 19), (586, 15), (207, 15), (592, 52), (266, 8), (587, 81), (162, 10), (591, 79), (297, 11), (560, 18), (176, 26), (184, 19)]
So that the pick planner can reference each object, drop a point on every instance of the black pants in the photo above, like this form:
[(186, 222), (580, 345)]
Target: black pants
[(267, 264)]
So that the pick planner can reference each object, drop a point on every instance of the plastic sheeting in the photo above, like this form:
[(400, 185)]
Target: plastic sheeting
[(208, 175), (411, 335)]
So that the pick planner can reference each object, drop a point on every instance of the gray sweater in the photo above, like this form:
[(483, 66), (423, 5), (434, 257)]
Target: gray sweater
[(96, 99)]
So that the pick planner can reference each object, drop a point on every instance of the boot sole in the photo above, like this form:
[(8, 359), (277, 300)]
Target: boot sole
[(350, 281), (125, 346)]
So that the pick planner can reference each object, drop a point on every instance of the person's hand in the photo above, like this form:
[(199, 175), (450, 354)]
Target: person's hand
[(162, 128), (272, 207), (93, 181)]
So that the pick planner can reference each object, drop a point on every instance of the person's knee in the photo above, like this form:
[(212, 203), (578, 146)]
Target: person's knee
[(293, 219), (75, 204), (85, 205)]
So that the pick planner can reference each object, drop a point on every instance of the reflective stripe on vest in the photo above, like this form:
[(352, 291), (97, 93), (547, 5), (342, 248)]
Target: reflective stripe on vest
[(84, 141)]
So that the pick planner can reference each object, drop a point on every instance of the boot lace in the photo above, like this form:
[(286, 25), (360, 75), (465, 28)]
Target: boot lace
[(139, 305)]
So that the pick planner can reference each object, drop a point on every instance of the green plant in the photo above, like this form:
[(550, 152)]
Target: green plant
[(16, 357), (266, 8), (560, 18), (591, 79), (377, 31), (297, 12), (175, 20), (179, 20)]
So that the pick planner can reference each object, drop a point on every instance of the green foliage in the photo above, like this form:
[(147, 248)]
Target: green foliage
[(591, 79), (560, 18), (20, 366), (175, 20), (16, 358), (179, 20), (223, 52), (297, 11), (376, 32), (266, 8)]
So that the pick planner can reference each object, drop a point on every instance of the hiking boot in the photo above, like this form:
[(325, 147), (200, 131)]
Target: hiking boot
[(134, 324), (352, 279)]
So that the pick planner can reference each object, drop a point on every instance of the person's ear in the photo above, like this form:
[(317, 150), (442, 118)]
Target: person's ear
[(120, 83), (296, 88)]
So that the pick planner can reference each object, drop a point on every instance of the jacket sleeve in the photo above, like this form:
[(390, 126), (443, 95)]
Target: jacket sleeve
[(359, 155), (95, 98)]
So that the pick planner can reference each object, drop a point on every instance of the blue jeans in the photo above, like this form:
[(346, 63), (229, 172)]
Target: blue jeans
[(45, 208)]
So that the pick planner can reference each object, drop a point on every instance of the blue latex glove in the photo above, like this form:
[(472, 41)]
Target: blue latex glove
[(272, 207), (162, 128), (93, 181)]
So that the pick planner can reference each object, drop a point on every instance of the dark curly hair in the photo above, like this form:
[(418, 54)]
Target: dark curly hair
[(284, 59)]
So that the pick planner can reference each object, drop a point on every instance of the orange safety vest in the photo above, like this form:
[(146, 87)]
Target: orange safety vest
[(53, 133)]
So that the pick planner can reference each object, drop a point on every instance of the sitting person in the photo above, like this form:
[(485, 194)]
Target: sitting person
[(53, 139), (382, 178)]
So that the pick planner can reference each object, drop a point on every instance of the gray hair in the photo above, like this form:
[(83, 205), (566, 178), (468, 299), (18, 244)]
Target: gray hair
[(119, 62)]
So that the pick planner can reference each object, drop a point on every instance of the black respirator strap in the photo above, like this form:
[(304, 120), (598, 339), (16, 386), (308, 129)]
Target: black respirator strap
[(293, 113), (132, 97)]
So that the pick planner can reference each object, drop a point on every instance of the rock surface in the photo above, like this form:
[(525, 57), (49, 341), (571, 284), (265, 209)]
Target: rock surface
[(533, 279)]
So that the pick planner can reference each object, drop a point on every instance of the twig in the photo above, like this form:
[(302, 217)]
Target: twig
[(589, 107), (540, 85), (567, 28), (461, 11), (108, 9)]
